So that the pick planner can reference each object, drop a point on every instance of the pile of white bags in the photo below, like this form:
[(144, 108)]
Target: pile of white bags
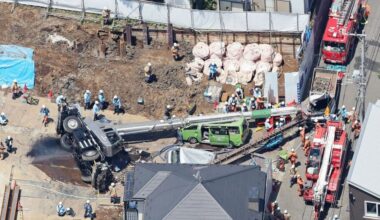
[(217, 49), (201, 50), (240, 64)]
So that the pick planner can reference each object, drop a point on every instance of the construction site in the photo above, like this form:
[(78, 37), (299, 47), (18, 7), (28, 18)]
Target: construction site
[(106, 114)]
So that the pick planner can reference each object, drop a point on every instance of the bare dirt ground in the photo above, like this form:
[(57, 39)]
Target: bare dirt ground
[(73, 70)]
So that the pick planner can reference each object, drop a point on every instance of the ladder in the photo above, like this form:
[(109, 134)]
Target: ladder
[(346, 8)]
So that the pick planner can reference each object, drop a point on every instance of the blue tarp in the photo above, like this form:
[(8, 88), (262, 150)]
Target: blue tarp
[(16, 63)]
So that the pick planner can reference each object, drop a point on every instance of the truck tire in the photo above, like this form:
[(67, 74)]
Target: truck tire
[(90, 155), (193, 140), (71, 123), (66, 142)]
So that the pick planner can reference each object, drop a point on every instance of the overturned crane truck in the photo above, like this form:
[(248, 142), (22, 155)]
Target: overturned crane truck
[(94, 143)]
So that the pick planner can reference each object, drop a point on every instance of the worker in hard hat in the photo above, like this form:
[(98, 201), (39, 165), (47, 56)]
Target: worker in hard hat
[(343, 113), (232, 99), (44, 111), (244, 108), (87, 99), (9, 144), (267, 124), (213, 71), (113, 193), (15, 89), (96, 110), (3, 119), (116, 102), (293, 156), (168, 111), (175, 51), (356, 128), (102, 100), (286, 215), (257, 92), (300, 183), (352, 115), (293, 175), (317, 124), (225, 107), (302, 131), (239, 93), (61, 211), (281, 121), (366, 10), (282, 104), (88, 210), (148, 73), (106, 15), (307, 145)]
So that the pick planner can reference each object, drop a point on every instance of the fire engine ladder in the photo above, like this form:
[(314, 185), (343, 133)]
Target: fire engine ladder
[(324, 173), (349, 7)]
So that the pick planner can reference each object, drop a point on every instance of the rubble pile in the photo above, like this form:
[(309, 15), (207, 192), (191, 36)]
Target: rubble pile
[(235, 62)]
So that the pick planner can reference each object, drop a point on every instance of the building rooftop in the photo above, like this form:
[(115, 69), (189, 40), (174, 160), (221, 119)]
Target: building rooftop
[(184, 191), (364, 173)]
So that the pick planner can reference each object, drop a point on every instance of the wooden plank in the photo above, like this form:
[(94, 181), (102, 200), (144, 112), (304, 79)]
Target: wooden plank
[(4, 209), (15, 198)]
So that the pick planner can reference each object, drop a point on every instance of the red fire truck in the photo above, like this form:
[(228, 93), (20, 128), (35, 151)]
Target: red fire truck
[(325, 189), (344, 19)]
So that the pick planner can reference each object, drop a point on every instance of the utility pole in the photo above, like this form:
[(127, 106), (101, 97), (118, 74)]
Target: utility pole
[(361, 77)]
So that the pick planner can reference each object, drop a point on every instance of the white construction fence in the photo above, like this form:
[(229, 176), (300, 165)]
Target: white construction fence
[(200, 20)]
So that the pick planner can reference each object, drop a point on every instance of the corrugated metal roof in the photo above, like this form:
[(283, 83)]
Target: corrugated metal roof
[(198, 199), (153, 183), (365, 164)]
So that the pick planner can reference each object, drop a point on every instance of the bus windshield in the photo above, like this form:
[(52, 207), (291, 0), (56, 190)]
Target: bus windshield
[(334, 47)]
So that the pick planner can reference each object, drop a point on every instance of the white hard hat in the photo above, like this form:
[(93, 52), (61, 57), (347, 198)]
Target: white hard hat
[(88, 91), (96, 102), (343, 106), (175, 44), (115, 97), (278, 208), (14, 81), (105, 8), (298, 176), (300, 128), (2, 113), (226, 103), (168, 106), (353, 108), (43, 106), (293, 166), (88, 201), (276, 122), (283, 102), (257, 89), (67, 209), (60, 203), (356, 121), (315, 120), (269, 104), (149, 64), (101, 91), (285, 211), (233, 95), (335, 216), (112, 184), (307, 137), (292, 149), (9, 137)]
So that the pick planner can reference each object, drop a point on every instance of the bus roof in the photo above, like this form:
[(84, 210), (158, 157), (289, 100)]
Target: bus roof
[(232, 122)]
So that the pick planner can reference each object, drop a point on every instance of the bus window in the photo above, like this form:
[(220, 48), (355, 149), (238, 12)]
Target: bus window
[(219, 131), (234, 130), (192, 127)]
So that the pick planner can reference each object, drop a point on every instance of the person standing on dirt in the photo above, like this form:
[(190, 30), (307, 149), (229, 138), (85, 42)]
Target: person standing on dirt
[(61, 211), (113, 193), (45, 113), (168, 111), (213, 71), (87, 99), (106, 15), (88, 210), (3, 119), (96, 110), (9, 144), (117, 105), (175, 51), (59, 101), (2, 150), (15, 89), (148, 73), (102, 100)]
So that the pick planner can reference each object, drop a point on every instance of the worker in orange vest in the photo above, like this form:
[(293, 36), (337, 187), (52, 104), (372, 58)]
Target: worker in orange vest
[(306, 146), (300, 185), (293, 157), (356, 127), (302, 134)]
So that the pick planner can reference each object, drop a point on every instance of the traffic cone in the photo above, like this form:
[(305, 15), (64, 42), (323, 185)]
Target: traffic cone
[(25, 89), (50, 94)]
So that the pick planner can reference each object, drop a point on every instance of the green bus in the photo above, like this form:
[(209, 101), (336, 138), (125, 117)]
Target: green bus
[(226, 134)]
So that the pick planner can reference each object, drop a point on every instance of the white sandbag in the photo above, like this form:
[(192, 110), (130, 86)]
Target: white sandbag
[(217, 61), (217, 49), (189, 81), (252, 52), (214, 56), (197, 64), (245, 78), (276, 69), (263, 67), (247, 66), (232, 78), (267, 52), (222, 77), (235, 51), (277, 60), (201, 50), (231, 65), (259, 78)]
